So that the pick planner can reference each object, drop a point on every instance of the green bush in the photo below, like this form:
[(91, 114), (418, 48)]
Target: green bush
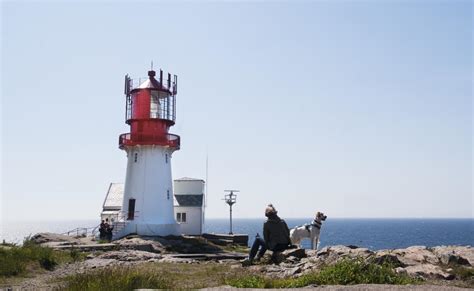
[(14, 260), (346, 272), (10, 264), (118, 279)]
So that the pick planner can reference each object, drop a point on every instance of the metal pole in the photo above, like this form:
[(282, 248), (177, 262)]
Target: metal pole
[(230, 219)]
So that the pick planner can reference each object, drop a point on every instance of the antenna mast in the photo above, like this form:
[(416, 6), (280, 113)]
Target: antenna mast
[(230, 199)]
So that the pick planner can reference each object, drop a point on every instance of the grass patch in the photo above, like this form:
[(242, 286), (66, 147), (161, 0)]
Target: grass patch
[(16, 260), (463, 273), (346, 272), (235, 248), (118, 279), (464, 276), (152, 275)]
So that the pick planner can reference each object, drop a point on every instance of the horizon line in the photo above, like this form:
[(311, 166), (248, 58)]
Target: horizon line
[(226, 218)]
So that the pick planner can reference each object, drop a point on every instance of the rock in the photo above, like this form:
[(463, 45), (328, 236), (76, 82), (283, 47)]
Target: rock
[(428, 271), (400, 270), (47, 237), (298, 253), (335, 253), (278, 257), (129, 255), (352, 247), (385, 257), (415, 255), (140, 244), (96, 262), (291, 272), (461, 255)]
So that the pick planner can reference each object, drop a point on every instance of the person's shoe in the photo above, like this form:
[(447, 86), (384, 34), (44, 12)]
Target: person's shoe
[(247, 262)]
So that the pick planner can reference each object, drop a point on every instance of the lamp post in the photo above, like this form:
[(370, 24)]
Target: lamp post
[(230, 199)]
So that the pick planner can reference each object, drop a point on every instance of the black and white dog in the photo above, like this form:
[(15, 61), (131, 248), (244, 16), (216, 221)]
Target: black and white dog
[(310, 231)]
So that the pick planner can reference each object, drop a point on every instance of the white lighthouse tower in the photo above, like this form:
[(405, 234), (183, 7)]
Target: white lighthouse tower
[(147, 207)]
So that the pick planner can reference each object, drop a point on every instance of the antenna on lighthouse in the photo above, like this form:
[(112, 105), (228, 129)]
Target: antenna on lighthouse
[(230, 199), (151, 66)]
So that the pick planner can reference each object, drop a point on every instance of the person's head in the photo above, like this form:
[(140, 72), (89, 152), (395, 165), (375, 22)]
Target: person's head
[(270, 211)]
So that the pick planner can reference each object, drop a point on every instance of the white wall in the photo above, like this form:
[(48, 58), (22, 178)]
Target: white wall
[(149, 182), (193, 224), (183, 187)]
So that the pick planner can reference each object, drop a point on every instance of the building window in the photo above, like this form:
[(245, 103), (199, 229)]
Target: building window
[(168, 194), (135, 157), (181, 217), (166, 158)]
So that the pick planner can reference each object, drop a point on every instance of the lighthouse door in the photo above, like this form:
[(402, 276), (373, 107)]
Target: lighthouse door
[(131, 209)]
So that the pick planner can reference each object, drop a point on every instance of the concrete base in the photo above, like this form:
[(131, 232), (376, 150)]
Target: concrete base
[(147, 229)]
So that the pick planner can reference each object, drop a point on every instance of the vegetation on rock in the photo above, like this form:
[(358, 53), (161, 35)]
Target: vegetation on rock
[(16, 260), (345, 272)]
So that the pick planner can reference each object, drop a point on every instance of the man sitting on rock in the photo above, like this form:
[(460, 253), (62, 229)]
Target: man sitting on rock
[(276, 236)]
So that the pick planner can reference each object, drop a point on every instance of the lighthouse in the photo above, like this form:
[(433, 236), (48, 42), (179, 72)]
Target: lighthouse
[(150, 111)]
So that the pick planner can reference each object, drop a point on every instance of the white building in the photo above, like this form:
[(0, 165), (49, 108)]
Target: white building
[(112, 202), (188, 204)]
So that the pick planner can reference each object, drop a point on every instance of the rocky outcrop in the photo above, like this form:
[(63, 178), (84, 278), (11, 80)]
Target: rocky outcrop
[(427, 271), (437, 263), (140, 244), (417, 261), (462, 255), (48, 237)]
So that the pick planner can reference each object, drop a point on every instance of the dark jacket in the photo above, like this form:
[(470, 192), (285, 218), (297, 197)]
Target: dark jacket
[(276, 232)]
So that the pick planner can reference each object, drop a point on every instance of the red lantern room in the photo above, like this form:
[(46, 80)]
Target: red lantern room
[(150, 111)]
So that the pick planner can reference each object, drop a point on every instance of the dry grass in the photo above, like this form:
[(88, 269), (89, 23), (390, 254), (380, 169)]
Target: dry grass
[(152, 275)]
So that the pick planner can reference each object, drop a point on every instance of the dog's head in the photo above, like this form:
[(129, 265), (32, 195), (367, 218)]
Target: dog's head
[(320, 216)]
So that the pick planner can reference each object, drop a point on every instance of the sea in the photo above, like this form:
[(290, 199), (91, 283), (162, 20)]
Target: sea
[(374, 234)]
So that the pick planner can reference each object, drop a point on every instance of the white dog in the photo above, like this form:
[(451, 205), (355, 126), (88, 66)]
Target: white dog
[(310, 231)]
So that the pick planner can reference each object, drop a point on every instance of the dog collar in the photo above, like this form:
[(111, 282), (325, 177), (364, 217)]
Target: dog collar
[(317, 224)]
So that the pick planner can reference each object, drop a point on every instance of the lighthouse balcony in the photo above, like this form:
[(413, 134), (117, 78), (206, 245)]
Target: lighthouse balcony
[(133, 139)]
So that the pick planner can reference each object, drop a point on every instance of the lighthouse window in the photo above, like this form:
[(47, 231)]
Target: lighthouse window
[(168, 194), (166, 158), (154, 105), (135, 157)]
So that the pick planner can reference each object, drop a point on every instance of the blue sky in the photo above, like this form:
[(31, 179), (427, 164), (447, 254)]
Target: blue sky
[(354, 108)]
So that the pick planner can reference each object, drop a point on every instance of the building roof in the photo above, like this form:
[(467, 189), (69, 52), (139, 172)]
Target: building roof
[(189, 200), (113, 199), (188, 179)]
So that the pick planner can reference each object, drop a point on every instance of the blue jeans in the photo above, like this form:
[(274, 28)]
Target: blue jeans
[(258, 243)]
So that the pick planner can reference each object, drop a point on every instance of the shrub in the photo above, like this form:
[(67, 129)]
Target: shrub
[(14, 260), (10, 265)]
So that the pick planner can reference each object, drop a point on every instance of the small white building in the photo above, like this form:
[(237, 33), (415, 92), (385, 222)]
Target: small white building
[(112, 202), (189, 205)]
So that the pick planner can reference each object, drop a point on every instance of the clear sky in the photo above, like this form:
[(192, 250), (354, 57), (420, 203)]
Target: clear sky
[(357, 109)]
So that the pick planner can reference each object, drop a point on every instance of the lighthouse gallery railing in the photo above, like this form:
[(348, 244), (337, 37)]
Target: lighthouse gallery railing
[(128, 139)]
